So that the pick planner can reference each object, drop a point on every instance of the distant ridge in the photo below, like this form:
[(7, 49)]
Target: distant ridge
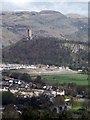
[(74, 15), (45, 23)]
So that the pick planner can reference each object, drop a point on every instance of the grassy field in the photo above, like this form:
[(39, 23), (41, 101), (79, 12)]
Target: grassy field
[(77, 104), (79, 79)]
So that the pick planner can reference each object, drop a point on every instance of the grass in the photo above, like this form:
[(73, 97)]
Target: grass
[(79, 79), (77, 105)]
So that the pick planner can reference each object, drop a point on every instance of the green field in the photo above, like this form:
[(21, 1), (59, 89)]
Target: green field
[(77, 104), (79, 79)]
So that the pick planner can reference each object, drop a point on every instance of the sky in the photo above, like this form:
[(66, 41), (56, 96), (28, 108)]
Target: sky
[(63, 6)]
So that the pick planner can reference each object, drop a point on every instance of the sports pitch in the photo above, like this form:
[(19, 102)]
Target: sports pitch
[(79, 79)]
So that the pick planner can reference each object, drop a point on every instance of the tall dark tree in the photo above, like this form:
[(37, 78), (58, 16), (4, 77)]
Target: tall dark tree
[(8, 98), (25, 77), (10, 113)]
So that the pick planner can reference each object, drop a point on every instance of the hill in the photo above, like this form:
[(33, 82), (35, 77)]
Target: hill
[(46, 23), (56, 38), (47, 50)]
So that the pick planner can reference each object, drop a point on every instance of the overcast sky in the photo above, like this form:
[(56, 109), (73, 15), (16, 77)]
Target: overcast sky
[(63, 6)]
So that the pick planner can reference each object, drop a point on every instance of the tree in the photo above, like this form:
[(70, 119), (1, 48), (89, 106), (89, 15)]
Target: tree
[(65, 115), (15, 75), (59, 100), (85, 116), (25, 77), (38, 79), (10, 113), (30, 114), (86, 104), (8, 98)]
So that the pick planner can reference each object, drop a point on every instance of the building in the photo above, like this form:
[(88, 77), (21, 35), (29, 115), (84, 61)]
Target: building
[(29, 34), (59, 108)]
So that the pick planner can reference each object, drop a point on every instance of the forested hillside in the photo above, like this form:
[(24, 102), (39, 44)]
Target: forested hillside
[(47, 51)]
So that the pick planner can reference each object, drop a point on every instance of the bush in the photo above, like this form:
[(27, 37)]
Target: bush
[(8, 98)]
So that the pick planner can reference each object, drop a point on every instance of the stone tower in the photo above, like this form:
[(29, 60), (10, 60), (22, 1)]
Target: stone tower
[(29, 34)]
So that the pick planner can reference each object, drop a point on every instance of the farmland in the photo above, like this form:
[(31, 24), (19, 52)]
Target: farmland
[(79, 79)]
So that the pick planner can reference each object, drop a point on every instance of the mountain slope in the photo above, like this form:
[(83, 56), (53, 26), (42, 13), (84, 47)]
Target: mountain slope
[(44, 23)]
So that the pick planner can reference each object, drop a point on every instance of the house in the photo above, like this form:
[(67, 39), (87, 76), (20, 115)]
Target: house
[(26, 93), (1, 110), (60, 92), (54, 93), (67, 100), (37, 92), (60, 108), (13, 90), (57, 92), (3, 89), (78, 96), (31, 93)]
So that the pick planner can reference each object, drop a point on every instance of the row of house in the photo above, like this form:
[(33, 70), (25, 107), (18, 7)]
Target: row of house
[(21, 66), (29, 89)]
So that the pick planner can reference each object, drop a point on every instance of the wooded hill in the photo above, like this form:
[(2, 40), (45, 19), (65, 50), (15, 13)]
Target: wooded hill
[(47, 50)]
